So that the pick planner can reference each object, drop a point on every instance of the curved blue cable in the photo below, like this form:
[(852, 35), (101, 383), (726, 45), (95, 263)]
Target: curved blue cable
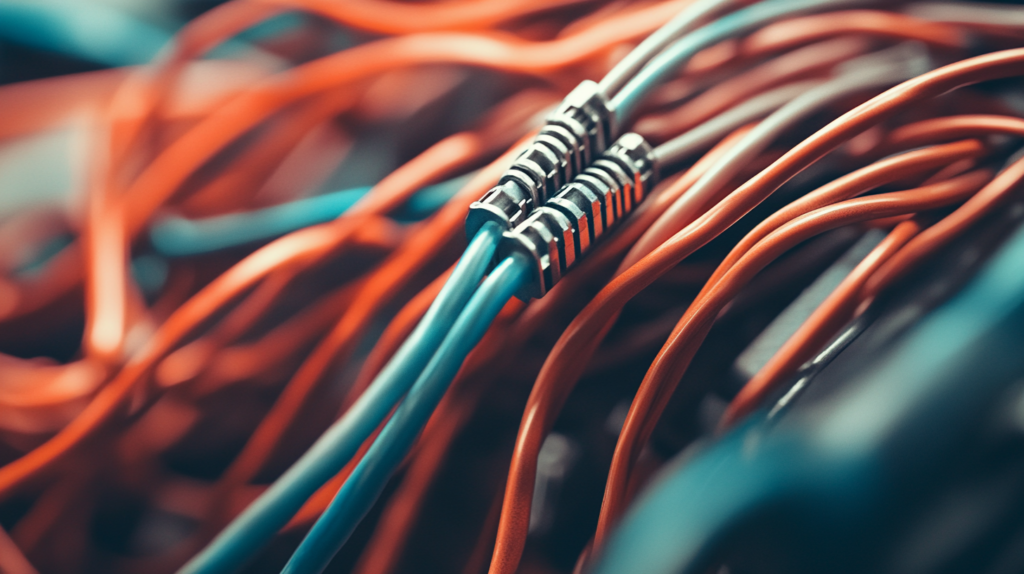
[(742, 21), (89, 32), (366, 483), (180, 237), (258, 523), (672, 30)]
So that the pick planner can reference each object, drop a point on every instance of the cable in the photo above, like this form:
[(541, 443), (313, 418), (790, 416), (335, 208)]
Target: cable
[(366, 483), (870, 72), (581, 338), (837, 309), (692, 140), (685, 22), (677, 352), (191, 393), (658, 69), (180, 237), (268, 513), (94, 33), (862, 447)]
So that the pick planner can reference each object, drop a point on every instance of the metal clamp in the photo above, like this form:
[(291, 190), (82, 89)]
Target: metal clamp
[(564, 229)]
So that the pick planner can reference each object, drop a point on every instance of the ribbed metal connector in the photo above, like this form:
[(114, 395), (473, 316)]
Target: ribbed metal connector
[(575, 134), (564, 229)]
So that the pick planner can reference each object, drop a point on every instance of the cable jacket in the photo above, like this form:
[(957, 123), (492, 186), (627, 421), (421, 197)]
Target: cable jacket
[(669, 61), (252, 529), (686, 21), (367, 481)]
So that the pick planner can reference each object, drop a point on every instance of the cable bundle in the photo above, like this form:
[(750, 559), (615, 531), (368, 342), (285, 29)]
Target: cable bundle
[(259, 339)]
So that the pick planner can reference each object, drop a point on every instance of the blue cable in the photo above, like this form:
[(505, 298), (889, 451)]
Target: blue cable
[(366, 483), (181, 237), (672, 30), (258, 523), (742, 21), (86, 31)]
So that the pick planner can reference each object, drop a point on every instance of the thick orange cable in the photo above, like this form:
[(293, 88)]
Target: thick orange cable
[(579, 340)]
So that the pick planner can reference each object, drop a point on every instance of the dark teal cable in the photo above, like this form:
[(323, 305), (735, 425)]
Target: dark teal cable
[(367, 481), (258, 523), (673, 57), (91, 32), (179, 237)]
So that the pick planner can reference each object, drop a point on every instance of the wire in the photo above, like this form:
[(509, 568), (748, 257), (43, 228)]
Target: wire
[(806, 63), (12, 561), (681, 346), (659, 68), (241, 359), (701, 136), (715, 490), (654, 44), (366, 483), (389, 17), (871, 72), (580, 340), (180, 237), (268, 513), (837, 309), (933, 238)]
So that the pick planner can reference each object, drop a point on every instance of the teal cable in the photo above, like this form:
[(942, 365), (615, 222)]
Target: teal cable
[(668, 62), (87, 31), (685, 22), (181, 237), (364, 486), (261, 520)]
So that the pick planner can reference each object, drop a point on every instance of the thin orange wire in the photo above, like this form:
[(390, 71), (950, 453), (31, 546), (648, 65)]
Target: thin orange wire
[(675, 355), (580, 340)]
